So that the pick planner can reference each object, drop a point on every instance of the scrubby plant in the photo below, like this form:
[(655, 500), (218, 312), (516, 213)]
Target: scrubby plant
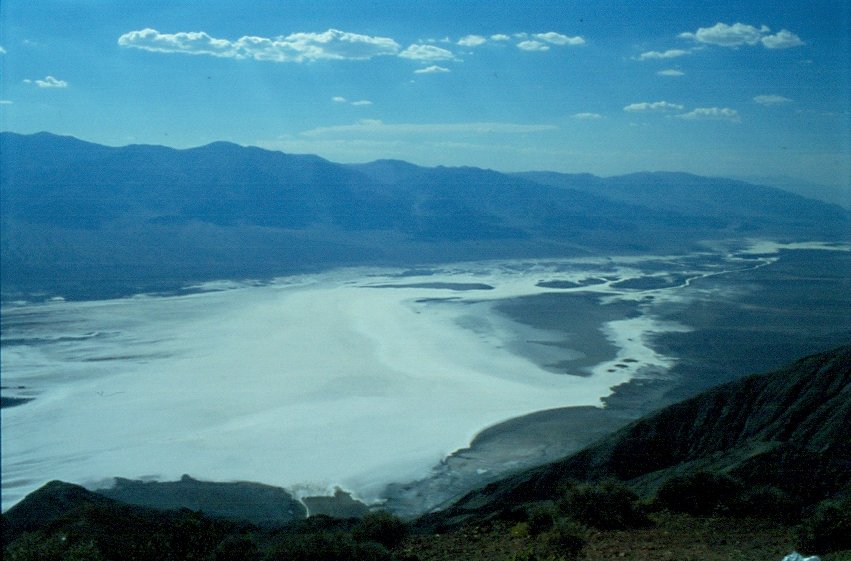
[(828, 528), (540, 518), (609, 505), (380, 527), (701, 493), (768, 502), (564, 540)]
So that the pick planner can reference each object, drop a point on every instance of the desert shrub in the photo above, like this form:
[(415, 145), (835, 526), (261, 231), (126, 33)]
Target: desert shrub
[(606, 506), (236, 548), (35, 546), (769, 502), (700, 493), (326, 546), (541, 518), (380, 527), (564, 540), (828, 528)]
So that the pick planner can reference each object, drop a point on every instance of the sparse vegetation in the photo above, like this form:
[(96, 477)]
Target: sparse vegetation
[(828, 528), (609, 505), (701, 493)]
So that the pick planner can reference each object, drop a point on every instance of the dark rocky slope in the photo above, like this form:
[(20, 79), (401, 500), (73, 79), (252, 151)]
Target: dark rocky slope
[(788, 429)]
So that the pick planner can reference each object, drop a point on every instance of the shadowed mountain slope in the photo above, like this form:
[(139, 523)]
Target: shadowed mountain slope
[(787, 429), (82, 219)]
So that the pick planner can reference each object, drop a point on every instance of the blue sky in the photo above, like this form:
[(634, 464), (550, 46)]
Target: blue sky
[(735, 88)]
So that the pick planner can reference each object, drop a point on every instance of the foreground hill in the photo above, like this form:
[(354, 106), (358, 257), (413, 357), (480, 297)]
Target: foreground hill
[(89, 219), (787, 430)]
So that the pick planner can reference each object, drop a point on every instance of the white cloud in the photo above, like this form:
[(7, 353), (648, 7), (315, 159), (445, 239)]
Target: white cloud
[(361, 103), (742, 34), (433, 69), (783, 39), (671, 72), (771, 99), (654, 106), (472, 41), (6, 102), (48, 82), (587, 116), (2, 50), (532, 46), (670, 53), (500, 37), (297, 47), (374, 126), (339, 99), (426, 52), (559, 39), (712, 113)]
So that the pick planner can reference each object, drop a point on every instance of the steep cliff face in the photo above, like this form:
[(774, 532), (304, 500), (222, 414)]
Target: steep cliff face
[(788, 429)]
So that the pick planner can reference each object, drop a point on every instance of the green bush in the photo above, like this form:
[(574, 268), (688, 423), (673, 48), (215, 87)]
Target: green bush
[(828, 528), (380, 527), (769, 502), (541, 518), (326, 546), (701, 493), (565, 539), (606, 506)]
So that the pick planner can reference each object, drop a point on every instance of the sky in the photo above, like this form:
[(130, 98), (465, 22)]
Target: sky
[(730, 88)]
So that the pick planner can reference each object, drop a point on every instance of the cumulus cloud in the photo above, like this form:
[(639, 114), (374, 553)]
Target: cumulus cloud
[(654, 106), (297, 47), (339, 99), (48, 82), (783, 39), (472, 41), (375, 126), (559, 39), (587, 116), (670, 53), (712, 113), (433, 69), (426, 52), (771, 99), (742, 34), (500, 37), (671, 72), (532, 46)]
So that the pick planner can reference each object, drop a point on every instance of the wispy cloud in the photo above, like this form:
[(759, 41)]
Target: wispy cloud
[(48, 82), (500, 37), (374, 126), (297, 47), (472, 41), (783, 39), (559, 39), (670, 53), (653, 106), (6, 102), (587, 116), (2, 50), (671, 72), (433, 69), (427, 53), (772, 100), (359, 103), (739, 34), (712, 113), (532, 46)]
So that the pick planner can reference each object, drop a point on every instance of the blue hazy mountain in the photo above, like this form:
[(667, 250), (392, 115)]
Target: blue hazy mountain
[(85, 218)]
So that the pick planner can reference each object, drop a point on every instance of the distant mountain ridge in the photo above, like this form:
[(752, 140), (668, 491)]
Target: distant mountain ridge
[(76, 214)]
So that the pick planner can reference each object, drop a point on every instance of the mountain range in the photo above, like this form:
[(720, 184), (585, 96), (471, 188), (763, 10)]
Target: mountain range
[(81, 219)]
